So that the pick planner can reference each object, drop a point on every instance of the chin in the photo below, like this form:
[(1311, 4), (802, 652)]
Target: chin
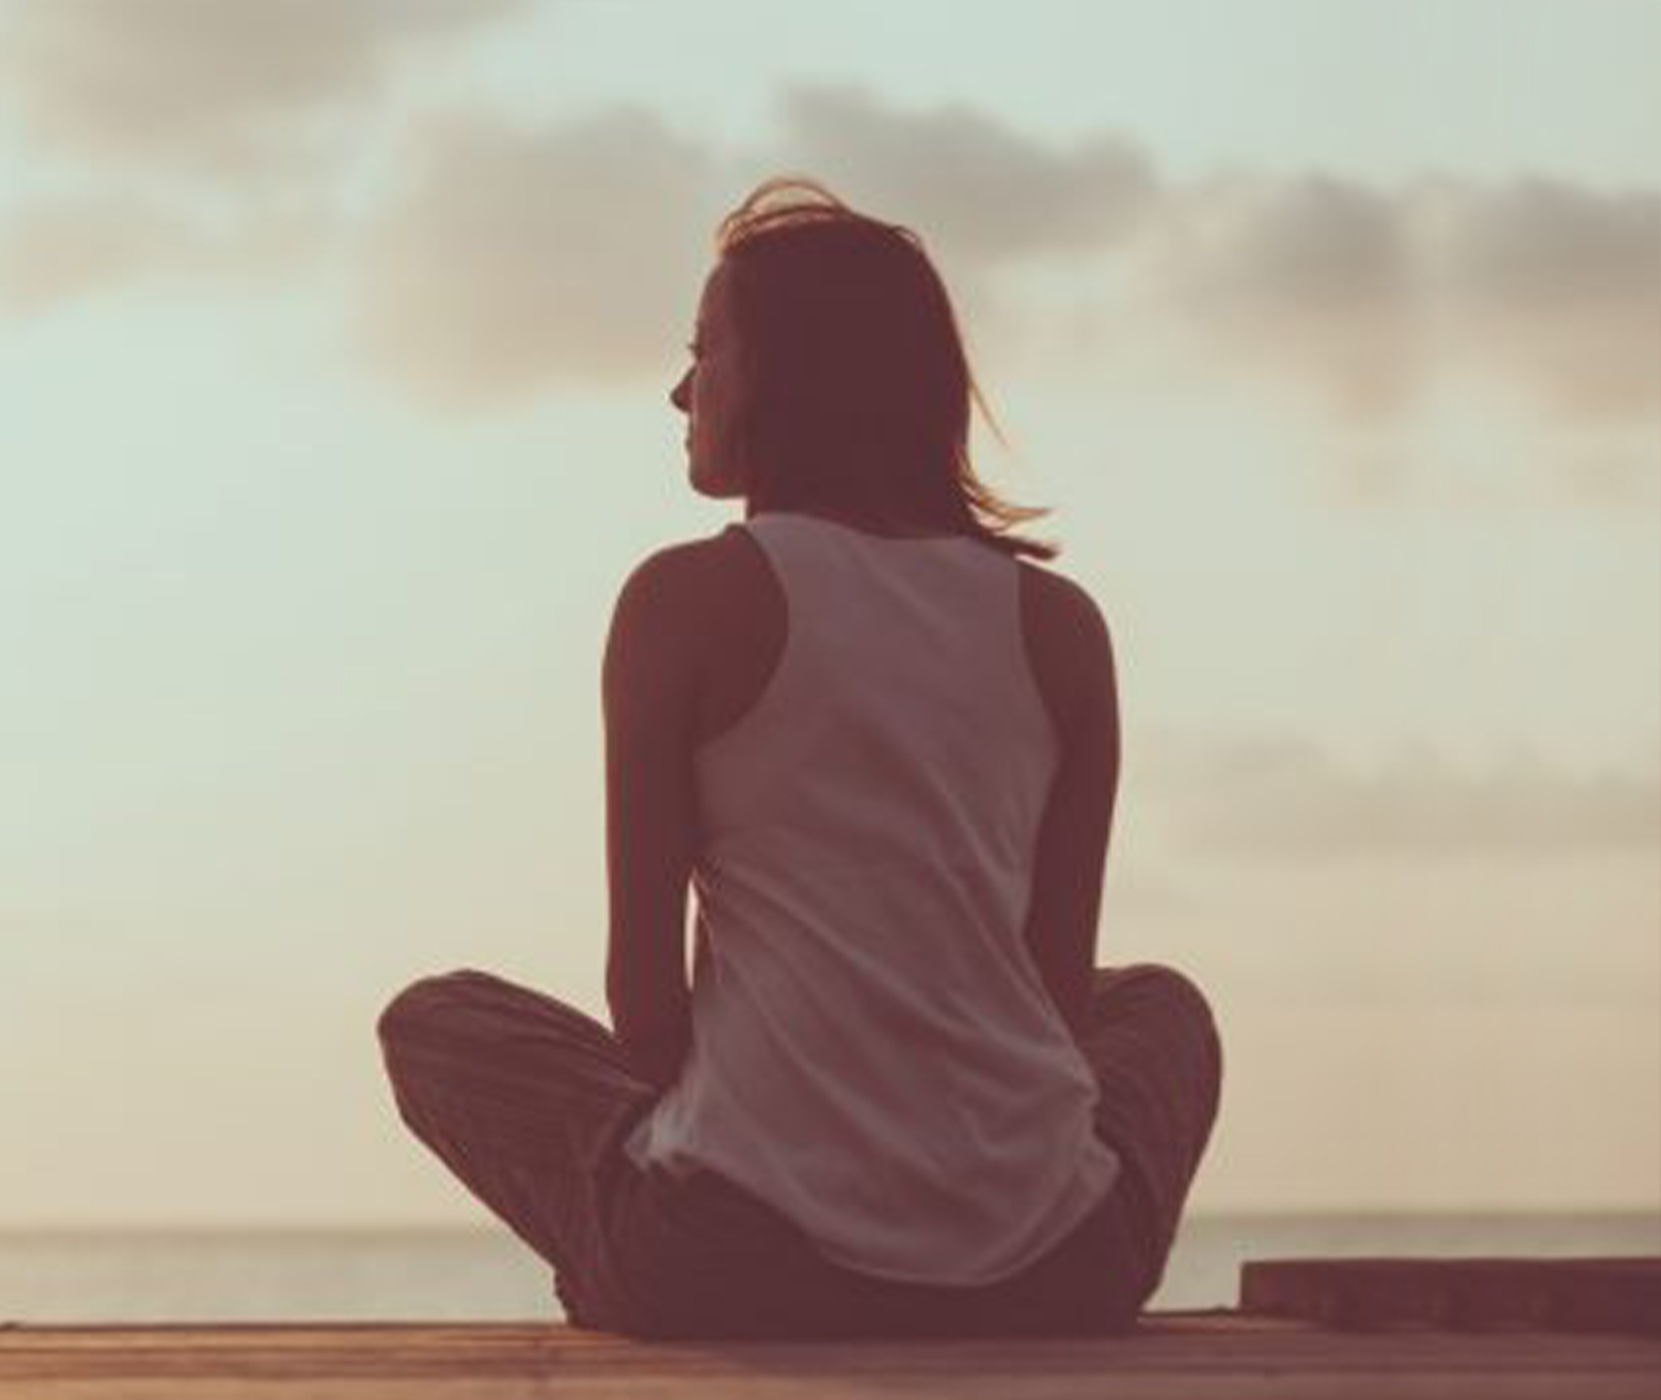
[(713, 484)]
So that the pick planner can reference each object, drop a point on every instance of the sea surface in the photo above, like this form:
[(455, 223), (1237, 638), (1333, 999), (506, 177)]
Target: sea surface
[(486, 1274)]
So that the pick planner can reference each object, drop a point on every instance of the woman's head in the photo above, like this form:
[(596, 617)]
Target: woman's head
[(829, 372)]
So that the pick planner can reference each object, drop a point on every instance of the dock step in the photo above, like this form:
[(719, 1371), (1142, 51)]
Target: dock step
[(1554, 1295)]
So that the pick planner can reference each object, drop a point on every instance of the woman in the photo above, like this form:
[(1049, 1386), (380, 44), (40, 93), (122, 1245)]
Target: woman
[(898, 1097)]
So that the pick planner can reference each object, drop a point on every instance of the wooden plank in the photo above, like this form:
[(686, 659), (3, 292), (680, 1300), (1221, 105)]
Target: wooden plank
[(1580, 1295), (1192, 1356)]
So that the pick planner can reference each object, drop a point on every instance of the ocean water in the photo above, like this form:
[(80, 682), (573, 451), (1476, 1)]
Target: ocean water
[(485, 1274)]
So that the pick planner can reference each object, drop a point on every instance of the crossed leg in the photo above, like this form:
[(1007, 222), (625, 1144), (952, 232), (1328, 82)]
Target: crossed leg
[(526, 1099), (520, 1096)]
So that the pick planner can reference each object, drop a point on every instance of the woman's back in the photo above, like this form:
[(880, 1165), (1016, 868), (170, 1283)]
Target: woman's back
[(887, 760), (874, 1052)]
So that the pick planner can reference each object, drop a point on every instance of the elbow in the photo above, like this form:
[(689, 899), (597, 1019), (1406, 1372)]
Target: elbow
[(651, 1012), (654, 1041), (656, 1056)]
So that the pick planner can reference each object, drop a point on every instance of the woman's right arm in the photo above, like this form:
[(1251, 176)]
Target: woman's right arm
[(1078, 816)]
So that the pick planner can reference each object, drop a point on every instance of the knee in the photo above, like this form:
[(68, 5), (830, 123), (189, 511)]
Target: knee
[(1181, 990), (420, 1002), (1179, 987), (1193, 1010), (1176, 992)]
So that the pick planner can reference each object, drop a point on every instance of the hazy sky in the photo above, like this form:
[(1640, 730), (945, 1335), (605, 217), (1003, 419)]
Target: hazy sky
[(334, 344)]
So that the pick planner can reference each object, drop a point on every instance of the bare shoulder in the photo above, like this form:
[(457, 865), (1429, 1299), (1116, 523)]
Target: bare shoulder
[(697, 596), (727, 551), (1060, 605), (691, 567), (1067, 645)]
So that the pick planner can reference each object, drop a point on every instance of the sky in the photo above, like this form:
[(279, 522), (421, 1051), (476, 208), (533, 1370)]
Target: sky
[(335, 346)]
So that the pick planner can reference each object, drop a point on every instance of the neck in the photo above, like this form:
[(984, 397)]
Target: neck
[(884, 520)]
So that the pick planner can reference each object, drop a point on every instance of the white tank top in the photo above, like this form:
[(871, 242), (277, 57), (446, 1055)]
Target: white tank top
[(874, 1053)]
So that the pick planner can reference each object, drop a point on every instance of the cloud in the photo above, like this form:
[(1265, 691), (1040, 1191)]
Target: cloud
[(59, 248), (962, 179), (1290, 801), (1366, 296), (55, 250), (520, 257), (1359, 297), (1561, 286), (465, 300), (514, 257), (220, 87), (511, 257), (1316, 275)]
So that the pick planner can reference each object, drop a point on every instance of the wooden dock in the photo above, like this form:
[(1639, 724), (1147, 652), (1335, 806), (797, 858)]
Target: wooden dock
[(1173, 1356), (1347, 1330)]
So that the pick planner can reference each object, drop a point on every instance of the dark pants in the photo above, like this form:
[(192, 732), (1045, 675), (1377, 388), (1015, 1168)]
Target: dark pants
[(528, 1101)]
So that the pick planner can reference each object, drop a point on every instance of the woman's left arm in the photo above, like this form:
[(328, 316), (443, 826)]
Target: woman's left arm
[(648, 691)]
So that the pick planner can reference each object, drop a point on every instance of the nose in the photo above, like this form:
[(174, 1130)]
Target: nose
[(680, 395)]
